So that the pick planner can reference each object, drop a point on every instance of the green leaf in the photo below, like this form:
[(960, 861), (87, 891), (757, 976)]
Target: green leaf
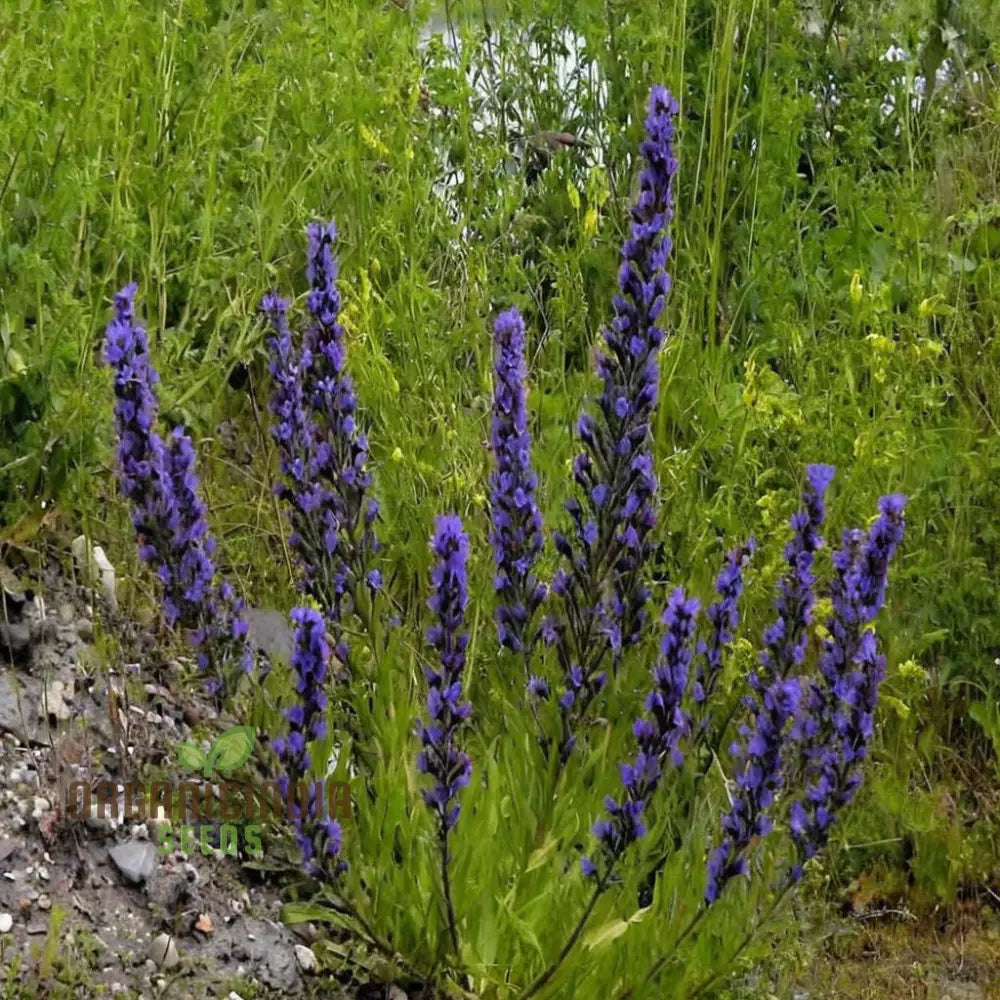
[(542, 854), (606, 934), (230, 749), (304, 913), (190, 756)]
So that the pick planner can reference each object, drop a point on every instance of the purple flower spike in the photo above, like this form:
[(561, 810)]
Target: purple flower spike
[(440, 757), (613, 520), (319, 839), (323, 454), (723, 619), (785, 640), (777, 697), (516, 523), (170, 519), (657, 734), (841, 713)]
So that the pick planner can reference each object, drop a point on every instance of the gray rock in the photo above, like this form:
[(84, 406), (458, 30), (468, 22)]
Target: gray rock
[(85, 629), (168, 890), (19, 698), (163, 951), (15, 642), (270, 632), (306, 958), (265, 948), (6, 923), (135, 859)]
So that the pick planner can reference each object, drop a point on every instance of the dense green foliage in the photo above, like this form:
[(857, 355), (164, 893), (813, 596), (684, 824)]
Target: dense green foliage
[(833, 301)]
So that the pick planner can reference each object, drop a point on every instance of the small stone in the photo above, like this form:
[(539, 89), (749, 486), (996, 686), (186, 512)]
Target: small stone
[(44, 903), (233, 995), (15, 641), (38, 928), (6, 923), (395, 993), (135, 859), (204, 924), (306, 958), (67, 613), (96, 568), (40, 807), (163, 951), (24, 905), (85, 629)]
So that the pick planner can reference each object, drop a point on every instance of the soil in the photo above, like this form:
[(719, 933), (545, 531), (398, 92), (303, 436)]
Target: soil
[(88, 905)]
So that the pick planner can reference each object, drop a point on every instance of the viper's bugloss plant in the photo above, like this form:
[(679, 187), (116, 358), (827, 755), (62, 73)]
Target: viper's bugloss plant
[(319, 838), (603, 590), (515, 520), (844, 696), (776, 699), (484, 877), (440, 758), (170, 519), (323, 454)]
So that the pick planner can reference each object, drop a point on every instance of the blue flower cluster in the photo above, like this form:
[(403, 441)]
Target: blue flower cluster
[(603, 592), (851, 669), (168, 514), (777, 696), (785, 640), (320, 840), (515, 521), (440, 758), (724, 619), (657, 734), (323, 454)]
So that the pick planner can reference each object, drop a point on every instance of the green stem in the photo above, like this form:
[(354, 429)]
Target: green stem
[(544, 978)]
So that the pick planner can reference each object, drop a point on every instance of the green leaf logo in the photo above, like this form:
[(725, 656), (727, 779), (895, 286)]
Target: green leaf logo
[(190, 756), (230, 749)]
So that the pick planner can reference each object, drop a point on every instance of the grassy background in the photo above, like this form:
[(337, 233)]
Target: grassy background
[(834, 299)]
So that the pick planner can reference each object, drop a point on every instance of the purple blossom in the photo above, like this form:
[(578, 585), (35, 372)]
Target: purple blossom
[(723, 619), (657, 733), (323, 454), (213, 609), (440, 757), (757, 783), (319, 839), (851, 669), (141, 472), (777, 696), (785, 640), (168, 514), (515, 521), (603, 592)]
